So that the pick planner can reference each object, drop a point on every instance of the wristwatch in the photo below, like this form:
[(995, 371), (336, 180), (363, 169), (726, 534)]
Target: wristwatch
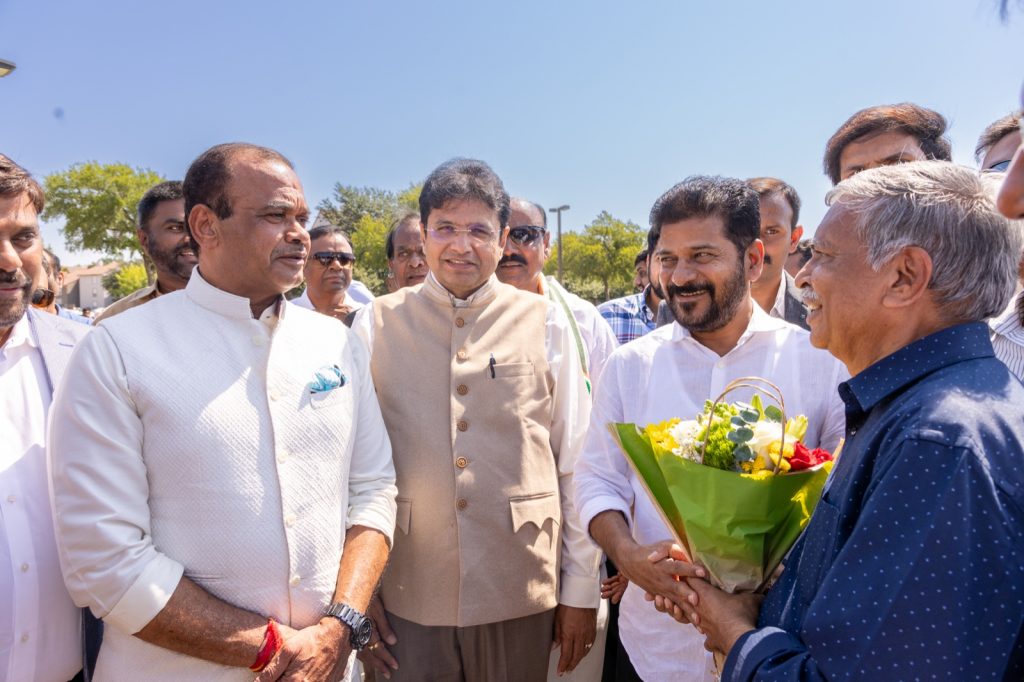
[(360, 627)]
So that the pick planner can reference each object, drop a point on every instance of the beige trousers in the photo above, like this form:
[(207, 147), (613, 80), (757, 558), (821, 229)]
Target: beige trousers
[(506, 651)]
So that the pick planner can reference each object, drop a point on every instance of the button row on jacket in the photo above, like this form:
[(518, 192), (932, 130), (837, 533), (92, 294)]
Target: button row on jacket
[(462, 425), (462, 389), (462, 504), (459, 322), (462, 462)]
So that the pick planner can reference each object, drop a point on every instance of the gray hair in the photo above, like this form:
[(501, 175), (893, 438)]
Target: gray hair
[(950, 212)]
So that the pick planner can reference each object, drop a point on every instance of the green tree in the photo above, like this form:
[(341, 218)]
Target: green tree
[(409, 199), (98, 204), (601, 255), (129, 278), (368, 242), (349, 204)]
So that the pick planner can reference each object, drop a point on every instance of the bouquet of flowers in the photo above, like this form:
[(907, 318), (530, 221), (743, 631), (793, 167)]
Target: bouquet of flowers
[(736, 485)]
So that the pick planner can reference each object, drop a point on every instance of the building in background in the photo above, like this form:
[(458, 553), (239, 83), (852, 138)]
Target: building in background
[(83, 287)]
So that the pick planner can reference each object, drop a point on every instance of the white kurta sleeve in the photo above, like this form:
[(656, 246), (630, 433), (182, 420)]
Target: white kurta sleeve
[(371, 483), (580, 580), (99, 492), (603, 344), (602, 473)]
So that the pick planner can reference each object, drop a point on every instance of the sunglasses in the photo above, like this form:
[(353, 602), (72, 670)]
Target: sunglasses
[(43, 298), (325, 258), (998, 167), (527, 234)]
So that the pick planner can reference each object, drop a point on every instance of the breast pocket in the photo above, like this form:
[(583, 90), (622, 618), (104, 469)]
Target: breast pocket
[(327, 399), (509, 370)]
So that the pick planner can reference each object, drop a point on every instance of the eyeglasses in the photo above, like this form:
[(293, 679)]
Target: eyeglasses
[(998, 167), (325, 258), (526, 234), (477, 234)]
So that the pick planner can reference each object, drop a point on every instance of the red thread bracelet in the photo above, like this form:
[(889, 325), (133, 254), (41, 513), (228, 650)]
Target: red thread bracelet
[(271, 644)]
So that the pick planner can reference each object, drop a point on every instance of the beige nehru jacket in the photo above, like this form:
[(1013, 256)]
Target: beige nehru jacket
[(486, 530)]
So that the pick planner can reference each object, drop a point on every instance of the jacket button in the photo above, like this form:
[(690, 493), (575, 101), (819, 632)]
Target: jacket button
[(461, 462), (462, 389), (459, 322), (462, 504), (462, 354), (462, 425)]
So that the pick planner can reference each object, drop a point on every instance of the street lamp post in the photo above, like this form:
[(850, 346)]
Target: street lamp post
[(6, 67), (564, 207)]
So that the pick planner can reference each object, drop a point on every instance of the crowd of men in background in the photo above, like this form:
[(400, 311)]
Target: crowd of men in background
[(222, 479)]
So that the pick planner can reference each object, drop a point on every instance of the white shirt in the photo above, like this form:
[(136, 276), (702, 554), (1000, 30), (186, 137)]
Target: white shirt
[(666, 374), (1008, 337), (303, 300), (597, 335), (579, 579), (40, 627), (186, 439)]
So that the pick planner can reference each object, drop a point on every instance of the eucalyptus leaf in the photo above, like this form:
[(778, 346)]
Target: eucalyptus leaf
[(743, 453), (740, 436), (750, 416), (773, 413)]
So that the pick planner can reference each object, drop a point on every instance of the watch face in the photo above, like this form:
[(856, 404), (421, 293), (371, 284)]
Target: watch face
[(362, 634)]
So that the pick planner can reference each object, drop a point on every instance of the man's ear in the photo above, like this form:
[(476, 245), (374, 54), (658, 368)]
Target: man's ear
[(203, 225), (794, 237), (908, 275), (755, 260), (547, 244), (143, 239), (502, 238)]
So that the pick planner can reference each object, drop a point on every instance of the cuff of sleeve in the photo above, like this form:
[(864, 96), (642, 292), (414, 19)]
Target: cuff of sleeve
[(147, 596), (603, 503), (579, 591), (375, 517), (753, 648)]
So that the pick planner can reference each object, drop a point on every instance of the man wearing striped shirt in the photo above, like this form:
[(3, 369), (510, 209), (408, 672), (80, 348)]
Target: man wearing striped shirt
[(633, 316)]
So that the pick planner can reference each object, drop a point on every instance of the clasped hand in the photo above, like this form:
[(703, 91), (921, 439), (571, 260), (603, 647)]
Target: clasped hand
[(721, 617), (318, 652)]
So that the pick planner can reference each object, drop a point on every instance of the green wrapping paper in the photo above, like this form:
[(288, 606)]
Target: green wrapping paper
[(738, 527)]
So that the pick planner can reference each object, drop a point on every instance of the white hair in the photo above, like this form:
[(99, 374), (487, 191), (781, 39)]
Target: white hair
[(950, 212)]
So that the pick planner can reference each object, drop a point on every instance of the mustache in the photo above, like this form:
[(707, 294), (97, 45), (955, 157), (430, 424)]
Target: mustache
[(13, 278), (689, 288), (512, 258), (808, 295)]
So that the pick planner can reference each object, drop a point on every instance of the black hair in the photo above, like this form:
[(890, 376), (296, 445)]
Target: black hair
[(464, 179), (165, 191), (389, 240), (700, 196)]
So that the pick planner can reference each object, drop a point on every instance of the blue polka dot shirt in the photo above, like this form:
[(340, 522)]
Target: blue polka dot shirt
[(912, 567)]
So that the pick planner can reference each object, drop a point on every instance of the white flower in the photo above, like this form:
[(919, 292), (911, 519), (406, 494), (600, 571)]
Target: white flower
[(685, 433), (765, 433)]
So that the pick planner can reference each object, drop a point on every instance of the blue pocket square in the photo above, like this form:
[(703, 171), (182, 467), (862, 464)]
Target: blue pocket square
[(327, 379)]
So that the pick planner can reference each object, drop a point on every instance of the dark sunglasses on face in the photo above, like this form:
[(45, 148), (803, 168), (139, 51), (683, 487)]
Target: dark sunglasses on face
[(999, 167), (527, 234), (325, 258), (43, 298)]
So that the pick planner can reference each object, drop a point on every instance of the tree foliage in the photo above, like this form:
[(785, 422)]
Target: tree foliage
[(127, 279), (98, 203), (598, 262), (366, 214)]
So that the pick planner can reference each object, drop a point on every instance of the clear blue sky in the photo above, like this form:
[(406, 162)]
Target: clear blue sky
[(600, 105)]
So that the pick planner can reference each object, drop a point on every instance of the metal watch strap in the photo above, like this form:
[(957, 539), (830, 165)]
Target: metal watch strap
[(350, 617)]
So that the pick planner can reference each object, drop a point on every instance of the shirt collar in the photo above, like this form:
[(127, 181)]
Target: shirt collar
[(223, 303), (779, 307), (21, 335), (483, 295), (912, 362), (645, 310)]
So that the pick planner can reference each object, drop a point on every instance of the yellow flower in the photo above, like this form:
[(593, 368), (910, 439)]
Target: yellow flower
[(660, 436)]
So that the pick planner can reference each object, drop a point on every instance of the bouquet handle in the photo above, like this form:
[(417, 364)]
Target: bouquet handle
[(765, 388)]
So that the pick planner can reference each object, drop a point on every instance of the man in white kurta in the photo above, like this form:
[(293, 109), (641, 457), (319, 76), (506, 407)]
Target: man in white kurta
[(670, 373), (210, 463)]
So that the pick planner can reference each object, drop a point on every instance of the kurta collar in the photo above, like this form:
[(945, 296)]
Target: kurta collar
[(481, 296), (223, 303)]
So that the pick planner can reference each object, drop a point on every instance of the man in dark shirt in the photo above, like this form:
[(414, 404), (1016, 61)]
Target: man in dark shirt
[(912, 566)]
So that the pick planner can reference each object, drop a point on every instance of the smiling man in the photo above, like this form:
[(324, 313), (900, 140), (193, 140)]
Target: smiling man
[(704, 238), (522, 265), (884, 136), (222, 482), (911, 566), (162, 236), (486, 406)]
